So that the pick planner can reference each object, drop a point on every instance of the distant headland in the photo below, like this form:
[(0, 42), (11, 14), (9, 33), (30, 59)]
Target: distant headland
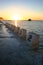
[(1, 18), (29, 20)]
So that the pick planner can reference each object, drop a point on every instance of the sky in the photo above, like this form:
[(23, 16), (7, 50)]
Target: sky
[(24, 8)]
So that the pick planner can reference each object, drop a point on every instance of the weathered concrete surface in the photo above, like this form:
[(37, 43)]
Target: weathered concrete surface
[(14, 51)]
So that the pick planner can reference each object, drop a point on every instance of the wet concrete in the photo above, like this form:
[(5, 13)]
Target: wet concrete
[(14, 51), (8, 44)]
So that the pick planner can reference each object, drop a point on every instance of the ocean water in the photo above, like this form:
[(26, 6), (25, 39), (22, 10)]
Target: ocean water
[(33, 26)]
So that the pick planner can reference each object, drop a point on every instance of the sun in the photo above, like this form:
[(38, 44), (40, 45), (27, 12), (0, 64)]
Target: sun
[(16, 17)]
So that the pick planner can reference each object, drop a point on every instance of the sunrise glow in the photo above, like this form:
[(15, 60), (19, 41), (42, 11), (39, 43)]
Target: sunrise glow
[(21, 9), (16, 17)]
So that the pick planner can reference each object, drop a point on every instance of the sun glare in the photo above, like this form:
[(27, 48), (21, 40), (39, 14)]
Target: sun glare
[(16, 17)]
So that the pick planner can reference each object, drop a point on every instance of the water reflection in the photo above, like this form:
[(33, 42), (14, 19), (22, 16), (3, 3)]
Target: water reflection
[(16, 23)]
